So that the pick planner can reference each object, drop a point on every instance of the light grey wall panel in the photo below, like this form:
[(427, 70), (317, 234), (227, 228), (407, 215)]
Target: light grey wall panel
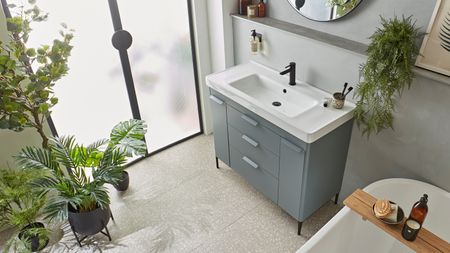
[(318, 63), (361, 23), (420, 144)]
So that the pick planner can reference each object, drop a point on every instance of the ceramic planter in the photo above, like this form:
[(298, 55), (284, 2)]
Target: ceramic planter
[(123, 184), (89, 223), (33, 241)]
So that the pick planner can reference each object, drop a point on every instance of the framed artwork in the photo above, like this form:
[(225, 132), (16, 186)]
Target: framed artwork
[(435, 51)]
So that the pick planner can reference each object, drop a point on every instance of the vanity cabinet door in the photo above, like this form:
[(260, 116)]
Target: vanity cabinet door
[(292, 160), (219, 114)]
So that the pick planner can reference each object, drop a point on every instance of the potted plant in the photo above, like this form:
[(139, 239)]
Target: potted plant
[(388, 70), (20, 207), (78, 174), (129, 137), (28, 75)]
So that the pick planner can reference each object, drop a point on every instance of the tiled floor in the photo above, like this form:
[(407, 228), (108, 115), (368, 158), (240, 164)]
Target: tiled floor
[(179, 202)]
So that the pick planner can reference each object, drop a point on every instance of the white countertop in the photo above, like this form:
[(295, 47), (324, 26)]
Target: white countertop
[(308, 126)]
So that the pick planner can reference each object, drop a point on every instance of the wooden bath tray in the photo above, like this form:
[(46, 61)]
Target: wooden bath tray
[(362, 203)]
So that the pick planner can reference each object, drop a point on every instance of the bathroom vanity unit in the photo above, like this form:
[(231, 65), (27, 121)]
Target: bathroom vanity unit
[(280, 138)]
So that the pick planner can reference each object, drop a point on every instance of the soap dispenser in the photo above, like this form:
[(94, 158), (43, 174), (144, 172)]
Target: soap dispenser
[(255, 42)]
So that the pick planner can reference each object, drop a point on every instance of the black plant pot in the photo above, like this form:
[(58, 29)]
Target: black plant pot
[(123, 184), (32, 242), (89, 223)]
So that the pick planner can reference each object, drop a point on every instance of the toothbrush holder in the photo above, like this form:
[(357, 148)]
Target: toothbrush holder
[(338, 100)]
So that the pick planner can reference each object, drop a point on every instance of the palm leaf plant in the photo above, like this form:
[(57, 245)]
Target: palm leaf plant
[(20, 207), (78, 174), (388, 70)]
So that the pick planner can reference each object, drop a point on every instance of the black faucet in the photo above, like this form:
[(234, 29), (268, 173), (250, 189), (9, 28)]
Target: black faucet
[(291, 70)]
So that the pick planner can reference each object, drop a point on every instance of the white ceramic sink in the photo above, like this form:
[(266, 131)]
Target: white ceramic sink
[(296, 109), (271, 94)]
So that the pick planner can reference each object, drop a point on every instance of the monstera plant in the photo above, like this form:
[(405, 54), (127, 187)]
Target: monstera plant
[(28, 75)]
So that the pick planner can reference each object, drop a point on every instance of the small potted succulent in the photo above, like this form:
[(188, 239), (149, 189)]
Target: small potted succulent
[(20, 207), (77, 175)]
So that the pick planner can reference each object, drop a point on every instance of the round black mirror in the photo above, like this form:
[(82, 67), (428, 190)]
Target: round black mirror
[(324, 10)]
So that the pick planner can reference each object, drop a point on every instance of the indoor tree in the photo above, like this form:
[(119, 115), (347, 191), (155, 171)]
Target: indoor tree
[(28, 74)]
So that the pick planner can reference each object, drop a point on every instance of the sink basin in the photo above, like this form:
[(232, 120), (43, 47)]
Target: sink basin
[(269, 93), (296, 109)]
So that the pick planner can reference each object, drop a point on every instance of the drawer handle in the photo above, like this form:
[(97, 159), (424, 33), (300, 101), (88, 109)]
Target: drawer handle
[(249, 120), (215, 99), (250, 141), (250, 162)]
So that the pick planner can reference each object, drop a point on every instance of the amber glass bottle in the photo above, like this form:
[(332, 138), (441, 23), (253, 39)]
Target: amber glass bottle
[(243, 4), (261, 9), (416, 218), (420, 210)]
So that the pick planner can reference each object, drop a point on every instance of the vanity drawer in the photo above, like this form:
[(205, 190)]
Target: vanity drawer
[(250, 170), (251, 127), (247, 145)]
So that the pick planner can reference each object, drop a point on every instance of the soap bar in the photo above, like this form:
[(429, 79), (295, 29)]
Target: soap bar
[(392, 217)]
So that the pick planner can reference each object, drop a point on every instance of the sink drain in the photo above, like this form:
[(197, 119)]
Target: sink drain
[(276, 103)]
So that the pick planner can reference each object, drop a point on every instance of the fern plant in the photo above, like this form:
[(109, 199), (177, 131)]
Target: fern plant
[(388, 70), (20, 207), (78, 174)]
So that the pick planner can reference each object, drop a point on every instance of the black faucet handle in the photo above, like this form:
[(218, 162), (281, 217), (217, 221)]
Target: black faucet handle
[(291, 65)]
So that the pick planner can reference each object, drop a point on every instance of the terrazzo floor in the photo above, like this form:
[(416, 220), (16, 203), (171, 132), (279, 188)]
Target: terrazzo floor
[(179, 202)]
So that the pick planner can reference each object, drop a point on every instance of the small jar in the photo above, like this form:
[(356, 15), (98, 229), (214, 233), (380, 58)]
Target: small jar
[(252, 11)]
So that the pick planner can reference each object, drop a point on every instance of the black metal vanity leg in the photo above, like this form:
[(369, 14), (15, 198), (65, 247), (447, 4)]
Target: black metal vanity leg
[(217, 162), (336, 199), (299, 232), (112, 217)]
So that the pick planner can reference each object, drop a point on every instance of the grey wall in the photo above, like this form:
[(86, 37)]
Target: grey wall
[(419, 147), (361, 23), (11, 142)]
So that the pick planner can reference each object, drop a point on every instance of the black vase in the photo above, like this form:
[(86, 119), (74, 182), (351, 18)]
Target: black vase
[(89, 223), (32, 242), (124, 182)]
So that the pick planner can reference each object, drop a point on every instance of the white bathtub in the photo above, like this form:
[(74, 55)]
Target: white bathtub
[(348, 233)]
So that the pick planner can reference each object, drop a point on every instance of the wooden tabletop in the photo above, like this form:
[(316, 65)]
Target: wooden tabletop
[(362, 203)]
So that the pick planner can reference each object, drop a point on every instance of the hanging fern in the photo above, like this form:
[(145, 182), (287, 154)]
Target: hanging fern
[(388, 70)]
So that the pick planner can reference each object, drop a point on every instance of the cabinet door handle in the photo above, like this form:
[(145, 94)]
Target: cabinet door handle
[(215, 99), (250, 162), (292, 146), (250, 141), (249, 120)]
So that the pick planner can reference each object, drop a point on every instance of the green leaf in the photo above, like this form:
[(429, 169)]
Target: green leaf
[(31, 52), (388, 70)]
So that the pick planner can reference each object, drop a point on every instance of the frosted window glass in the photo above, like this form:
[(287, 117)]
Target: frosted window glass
[(92, 97), (162, 66)]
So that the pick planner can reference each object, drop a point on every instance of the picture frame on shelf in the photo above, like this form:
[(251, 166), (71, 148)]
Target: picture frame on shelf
[(435, 50)]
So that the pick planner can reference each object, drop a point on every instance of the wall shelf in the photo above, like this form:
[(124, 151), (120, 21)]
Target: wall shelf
[(333, 40)]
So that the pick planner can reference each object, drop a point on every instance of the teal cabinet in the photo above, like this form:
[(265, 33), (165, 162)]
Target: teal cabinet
[(299, 177), (219, 114)]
